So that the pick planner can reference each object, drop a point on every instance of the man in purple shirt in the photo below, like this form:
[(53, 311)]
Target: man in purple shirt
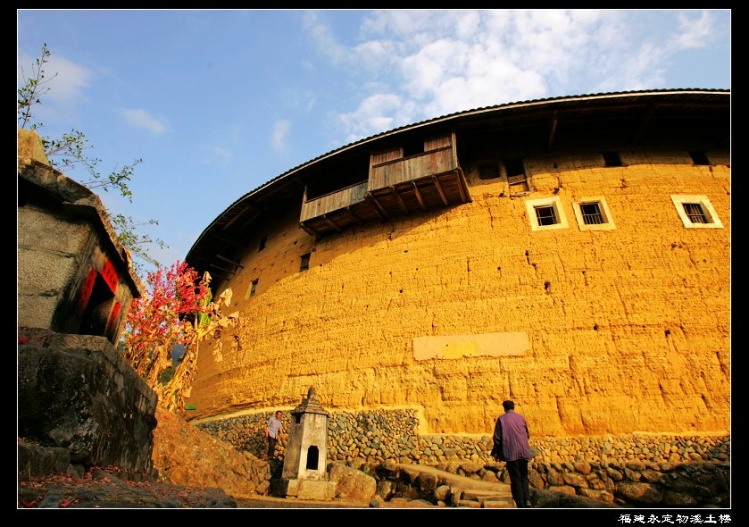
[(511, 435)]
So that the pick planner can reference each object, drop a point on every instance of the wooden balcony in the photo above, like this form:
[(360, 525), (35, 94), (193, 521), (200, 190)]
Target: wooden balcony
[(336, 211), (422, 182), (397, 185)]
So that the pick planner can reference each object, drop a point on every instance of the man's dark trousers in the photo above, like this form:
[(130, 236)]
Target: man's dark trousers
[(272, 446), (519, 485)]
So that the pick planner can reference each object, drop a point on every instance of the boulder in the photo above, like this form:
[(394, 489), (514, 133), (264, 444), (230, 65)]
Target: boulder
[(77, 393)]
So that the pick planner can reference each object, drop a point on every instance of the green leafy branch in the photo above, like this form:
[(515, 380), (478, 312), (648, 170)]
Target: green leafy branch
[(71, 151)]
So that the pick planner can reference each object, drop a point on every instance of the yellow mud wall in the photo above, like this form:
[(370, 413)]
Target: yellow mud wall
[(453, 311)]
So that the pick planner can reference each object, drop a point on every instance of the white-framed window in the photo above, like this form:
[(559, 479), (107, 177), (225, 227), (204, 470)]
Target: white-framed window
[(546, 214), (696, 212), (593, 214)]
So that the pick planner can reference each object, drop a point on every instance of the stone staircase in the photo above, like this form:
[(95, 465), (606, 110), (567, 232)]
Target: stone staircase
[(486, 499), (456, 490)]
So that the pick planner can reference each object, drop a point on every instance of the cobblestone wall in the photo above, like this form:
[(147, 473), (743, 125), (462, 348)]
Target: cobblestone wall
[(641, 469)]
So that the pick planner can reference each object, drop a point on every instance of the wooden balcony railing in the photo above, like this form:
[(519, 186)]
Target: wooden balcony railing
[(427, 164), (396, 185), (333, 201)]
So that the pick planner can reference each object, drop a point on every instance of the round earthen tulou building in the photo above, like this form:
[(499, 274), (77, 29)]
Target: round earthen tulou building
[(570, 253)]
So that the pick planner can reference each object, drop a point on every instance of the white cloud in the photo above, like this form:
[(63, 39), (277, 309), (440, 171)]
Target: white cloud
[(420, 64), (322, 36), (697, 32), (64, 89), (377, 113), (281, 131), (71, 80), (142, 119)]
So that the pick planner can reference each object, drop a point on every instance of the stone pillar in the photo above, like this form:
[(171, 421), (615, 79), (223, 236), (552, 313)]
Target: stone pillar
[(305, 459)]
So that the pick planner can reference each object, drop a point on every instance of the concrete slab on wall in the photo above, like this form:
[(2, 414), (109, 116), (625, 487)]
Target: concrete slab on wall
[(460, 346)]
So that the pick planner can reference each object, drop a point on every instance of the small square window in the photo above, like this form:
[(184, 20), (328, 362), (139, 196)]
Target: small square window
[(593, 214), (612, 159), (514, 167), (696, 212), (488, 170), (304, 262), (546, 214), (699, 158)]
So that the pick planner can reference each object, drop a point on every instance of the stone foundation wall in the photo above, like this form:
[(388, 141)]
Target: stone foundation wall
[(687, 470)]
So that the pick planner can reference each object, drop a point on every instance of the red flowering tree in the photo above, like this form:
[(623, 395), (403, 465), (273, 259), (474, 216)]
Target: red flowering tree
[(177, 309)]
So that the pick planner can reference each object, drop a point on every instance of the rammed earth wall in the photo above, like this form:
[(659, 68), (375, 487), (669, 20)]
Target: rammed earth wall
[(591, 332)]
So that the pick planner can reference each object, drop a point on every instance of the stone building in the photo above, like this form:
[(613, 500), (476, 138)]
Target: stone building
[(74, 276), (570, 253), (80, 404)]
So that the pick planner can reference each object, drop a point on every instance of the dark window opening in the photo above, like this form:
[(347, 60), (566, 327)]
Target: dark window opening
[(488, 170), (699, 158), (297, 418), (412, 147), (261, 245), (695, 213), (514, 167), (96, 314), (304, 262), (254, 287), (591, 213), (612, 159), (546, 215), (516, 177), (334, 176), (313, 458)]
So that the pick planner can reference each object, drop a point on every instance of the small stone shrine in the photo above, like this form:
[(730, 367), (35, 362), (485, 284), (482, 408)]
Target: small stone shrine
[(304, 473)]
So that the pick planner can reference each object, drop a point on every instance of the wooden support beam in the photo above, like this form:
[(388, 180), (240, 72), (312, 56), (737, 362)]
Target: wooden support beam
[(331, 222), (419, 197), (227, 260), (440, 189), (554, 122), (309, 230), (227, 240), (464, 196), (353, 215), (217, 266), (379, 209), (400, 199)]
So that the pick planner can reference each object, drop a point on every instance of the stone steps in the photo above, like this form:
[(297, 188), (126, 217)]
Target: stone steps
[(485, 499)]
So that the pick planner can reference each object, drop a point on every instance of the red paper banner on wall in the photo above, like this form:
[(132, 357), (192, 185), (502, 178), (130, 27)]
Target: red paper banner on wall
[(110, 276), (88, 286)]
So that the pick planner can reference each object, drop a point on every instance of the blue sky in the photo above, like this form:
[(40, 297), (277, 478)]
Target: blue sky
[(218, 102)]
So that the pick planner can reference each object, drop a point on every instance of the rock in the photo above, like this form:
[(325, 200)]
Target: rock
[(186, 455), (77, 393), (352, 484)]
